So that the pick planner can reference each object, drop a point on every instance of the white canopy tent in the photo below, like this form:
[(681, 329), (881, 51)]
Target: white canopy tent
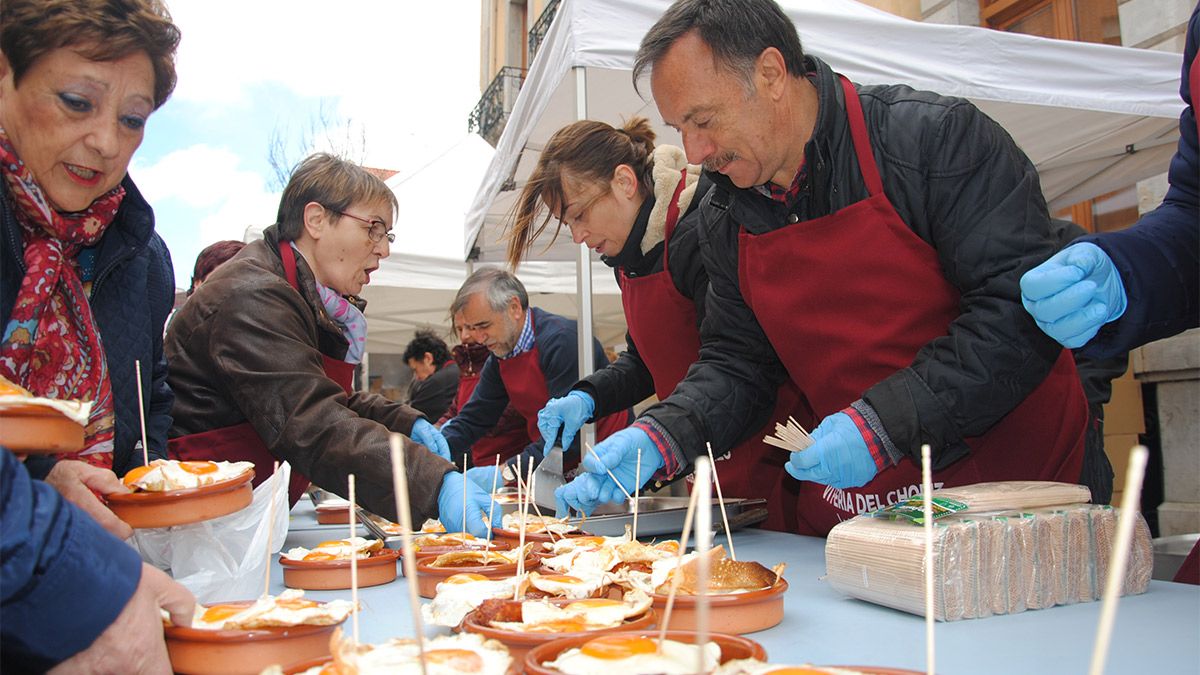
[(1093, 118), (411, 291)]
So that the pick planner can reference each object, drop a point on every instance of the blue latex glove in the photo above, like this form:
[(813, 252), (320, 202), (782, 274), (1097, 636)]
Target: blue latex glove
[(428, 435), (483, 477), (1074, 293), (568, 413), (839, 456), (619, 453), (450, 505)]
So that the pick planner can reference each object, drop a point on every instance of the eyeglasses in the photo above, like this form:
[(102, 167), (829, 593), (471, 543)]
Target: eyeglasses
[(377, 230)]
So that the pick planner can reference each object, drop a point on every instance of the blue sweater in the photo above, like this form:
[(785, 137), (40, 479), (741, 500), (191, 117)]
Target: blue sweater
[(133, 290), (63, 579), (555, 339), (1159, 257)]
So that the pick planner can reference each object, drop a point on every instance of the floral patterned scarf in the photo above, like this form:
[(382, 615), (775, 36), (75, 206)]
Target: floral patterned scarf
[(51, 345)]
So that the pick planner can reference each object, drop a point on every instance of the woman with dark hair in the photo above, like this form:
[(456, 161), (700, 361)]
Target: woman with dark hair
[(263, 356), (85, 286), (632, 203), (435, 374), (212, 257)]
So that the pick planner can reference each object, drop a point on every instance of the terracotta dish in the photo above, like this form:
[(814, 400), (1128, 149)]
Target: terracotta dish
[(732, 647), (429, 577), (323, 575), (513, 537), (37, 430), (430, 552), (736, 613), (519, 643), (333, 515), (179, 507), (194, 651)]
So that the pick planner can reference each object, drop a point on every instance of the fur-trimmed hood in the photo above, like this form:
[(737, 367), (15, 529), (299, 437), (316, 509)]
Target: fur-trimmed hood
[(669, 161)]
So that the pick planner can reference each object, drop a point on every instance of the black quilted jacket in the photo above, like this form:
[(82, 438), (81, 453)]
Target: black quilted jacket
[(132, 294)]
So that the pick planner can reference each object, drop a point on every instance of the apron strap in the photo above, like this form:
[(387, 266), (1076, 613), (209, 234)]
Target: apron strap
[(862, 141), (289, 263), (673, 213)]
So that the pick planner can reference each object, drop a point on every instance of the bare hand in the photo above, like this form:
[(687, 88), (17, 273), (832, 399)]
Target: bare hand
[(134, 642), (75, 481)]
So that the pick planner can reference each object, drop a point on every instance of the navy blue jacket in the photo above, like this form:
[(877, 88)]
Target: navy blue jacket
[(133, 290), (555, 339), (63, 579), (1159, 257)]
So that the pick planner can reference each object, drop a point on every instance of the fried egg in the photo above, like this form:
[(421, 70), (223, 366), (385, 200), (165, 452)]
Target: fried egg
[(289, 608), (537, 524), (13, 395), (567, 585), (171, 474), (444, 655), (543, 616), (459, 594), (338, 549), (756, 667), (634, 655)]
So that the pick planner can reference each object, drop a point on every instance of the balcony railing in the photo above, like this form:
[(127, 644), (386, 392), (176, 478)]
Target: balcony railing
[(490, 114), (538, 32)]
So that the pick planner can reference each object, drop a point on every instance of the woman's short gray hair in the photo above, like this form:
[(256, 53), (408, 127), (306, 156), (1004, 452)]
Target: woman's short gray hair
[(499, 285)]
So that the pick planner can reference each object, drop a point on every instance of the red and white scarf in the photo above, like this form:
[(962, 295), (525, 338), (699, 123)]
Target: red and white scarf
[(51, 345)]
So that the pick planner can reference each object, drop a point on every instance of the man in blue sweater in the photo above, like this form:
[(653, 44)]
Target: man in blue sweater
[(71, 594)]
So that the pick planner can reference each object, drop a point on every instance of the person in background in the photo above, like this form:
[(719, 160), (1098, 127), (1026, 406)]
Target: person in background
[(509, 436), (534, 357), (634, 204), (85, 285), (435, 374), (213, 256), (85, 282), (263, 355), (865, 242), (1108, 293)]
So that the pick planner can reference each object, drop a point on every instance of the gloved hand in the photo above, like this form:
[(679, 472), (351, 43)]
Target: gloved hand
[(450, 506), (1074, 293), (483, 476), (839, 456), (428, 435), (619, 453), (568, 413), (581, 494)]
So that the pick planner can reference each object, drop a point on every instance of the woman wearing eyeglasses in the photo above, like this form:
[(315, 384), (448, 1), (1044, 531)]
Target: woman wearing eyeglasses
[(263, 355), (633, 203)]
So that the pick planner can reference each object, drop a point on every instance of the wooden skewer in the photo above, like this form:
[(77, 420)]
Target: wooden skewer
[(492, 506), (703, 534), (271, 529), (637, 480), (523, 508), (536, 510), (1120, 556), (400, 492), (721, 501), (791, 437), (353, 560), (676, 577), (137, 365), (610, 475), (464, 491), (927, 513)]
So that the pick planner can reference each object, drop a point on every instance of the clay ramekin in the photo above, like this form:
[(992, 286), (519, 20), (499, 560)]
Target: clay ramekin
[(37, 430), (734, 613), (180, 507), (732, 647), (519, 643), (195, 651), (429, 577), (325, 575)]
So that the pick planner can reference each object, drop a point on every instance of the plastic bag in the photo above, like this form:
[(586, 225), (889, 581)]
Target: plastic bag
[(224, 558)]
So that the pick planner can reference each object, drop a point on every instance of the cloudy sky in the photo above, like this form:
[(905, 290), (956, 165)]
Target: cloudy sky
[(401, 75)]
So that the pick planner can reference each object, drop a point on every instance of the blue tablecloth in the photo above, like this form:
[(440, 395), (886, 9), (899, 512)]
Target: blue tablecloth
[(1157, 632)]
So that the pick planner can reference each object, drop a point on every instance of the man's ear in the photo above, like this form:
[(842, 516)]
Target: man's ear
[(316, 220), (770, 72)]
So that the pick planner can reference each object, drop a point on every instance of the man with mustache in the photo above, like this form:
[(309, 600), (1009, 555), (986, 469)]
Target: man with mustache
[(866, 243)]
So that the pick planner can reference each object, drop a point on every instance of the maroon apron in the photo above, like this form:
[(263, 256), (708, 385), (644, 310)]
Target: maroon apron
[(850, 298), (240, 442), (504, 440), (526, 385), (662, 323)]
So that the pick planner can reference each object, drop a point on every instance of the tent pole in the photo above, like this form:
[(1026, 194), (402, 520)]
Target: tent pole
[(583, 275)]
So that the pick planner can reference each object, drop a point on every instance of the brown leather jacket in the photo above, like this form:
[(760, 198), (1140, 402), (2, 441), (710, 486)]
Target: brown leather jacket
[(247, 346)]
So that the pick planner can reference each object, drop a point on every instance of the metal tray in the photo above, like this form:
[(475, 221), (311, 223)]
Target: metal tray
[(664, 515), (324, 500)]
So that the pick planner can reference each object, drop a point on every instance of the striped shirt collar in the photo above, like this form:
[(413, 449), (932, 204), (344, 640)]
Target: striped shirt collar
[(525, 340)]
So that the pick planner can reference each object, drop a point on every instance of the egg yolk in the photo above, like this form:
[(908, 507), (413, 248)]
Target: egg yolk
[(220, 612), (462, 660), (562, 578), (668, 546), (135, 474), (198, 468), (800, 670), (588, 541), (10, 388), (589, 603), (319, 555), (333, 542), (298, 603), (612, 647), (464, 578), (562, 626)]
